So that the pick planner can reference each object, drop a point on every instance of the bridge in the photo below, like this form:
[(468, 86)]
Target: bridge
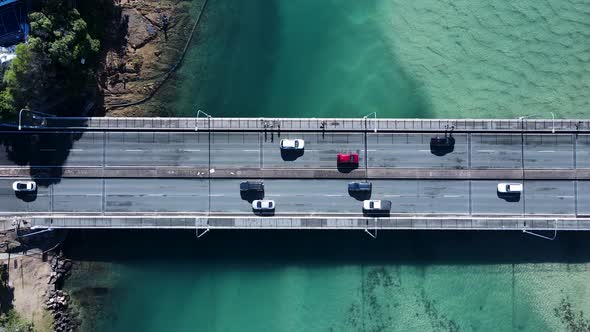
[(185, 173)]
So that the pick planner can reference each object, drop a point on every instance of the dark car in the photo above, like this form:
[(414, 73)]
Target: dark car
[(441, 142), (252, 186), (440, 146), (360, 187)]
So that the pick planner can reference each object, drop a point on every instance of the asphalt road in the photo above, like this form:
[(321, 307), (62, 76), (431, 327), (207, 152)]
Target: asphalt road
[(262, 150), (310, 197)]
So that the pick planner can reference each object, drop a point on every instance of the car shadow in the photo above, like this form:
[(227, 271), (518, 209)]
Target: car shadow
[(360, 196), (264, 213), (509, 197), (344, 168), (376, 214), (440, 151), (291, 155), (251, 196), (26, 196)]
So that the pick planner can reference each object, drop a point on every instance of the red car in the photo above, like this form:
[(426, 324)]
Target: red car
[(348, 158)]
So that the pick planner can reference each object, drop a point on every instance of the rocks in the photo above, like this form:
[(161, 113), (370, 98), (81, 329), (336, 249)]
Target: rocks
[(140, 30), (57, 300)]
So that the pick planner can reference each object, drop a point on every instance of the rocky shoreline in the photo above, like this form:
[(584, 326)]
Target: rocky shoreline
[(145, 42), (34, 274), (57, 300)]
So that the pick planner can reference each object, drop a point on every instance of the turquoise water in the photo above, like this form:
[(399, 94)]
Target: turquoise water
[(331, 281), (347, 58), (422, 58)]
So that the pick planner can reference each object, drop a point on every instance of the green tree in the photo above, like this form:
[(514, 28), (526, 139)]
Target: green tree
[(54, 69)]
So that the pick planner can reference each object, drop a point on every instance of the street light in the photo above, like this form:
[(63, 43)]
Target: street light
[(199, 112), (368, 115), (534, 115), (19, 117), (28, 110)]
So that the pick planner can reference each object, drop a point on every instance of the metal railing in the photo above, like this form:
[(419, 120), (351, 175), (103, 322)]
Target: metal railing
[(311, 124), (391, 223)]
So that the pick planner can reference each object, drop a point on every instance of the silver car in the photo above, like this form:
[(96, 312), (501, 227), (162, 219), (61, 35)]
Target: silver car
[(376, 205), (510, 188), (263, 205), (292, 144), (24, 186)]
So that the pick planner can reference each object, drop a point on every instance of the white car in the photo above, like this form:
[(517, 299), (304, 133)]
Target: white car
[(263, 205), (292, 144), (24, 186), (376, 205), (510, 188)]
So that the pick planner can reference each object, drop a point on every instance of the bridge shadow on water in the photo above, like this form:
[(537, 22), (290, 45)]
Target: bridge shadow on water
[(328, 247)]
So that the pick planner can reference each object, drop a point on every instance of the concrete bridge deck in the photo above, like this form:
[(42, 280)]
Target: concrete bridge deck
[(261, 150), (162, 173), (321, 204)]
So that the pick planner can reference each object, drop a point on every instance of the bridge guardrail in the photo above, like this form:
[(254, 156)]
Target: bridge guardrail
[(311, 124), (475, 223)]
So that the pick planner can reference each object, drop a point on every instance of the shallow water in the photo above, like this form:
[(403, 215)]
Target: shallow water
[(331, 281), (347, 58), (398, 58)]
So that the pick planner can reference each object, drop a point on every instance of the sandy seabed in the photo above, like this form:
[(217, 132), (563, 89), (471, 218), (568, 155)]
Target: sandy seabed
[(495, 58)]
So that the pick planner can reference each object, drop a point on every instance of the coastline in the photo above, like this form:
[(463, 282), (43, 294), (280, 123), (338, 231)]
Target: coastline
[(35, 271), (147, 42)]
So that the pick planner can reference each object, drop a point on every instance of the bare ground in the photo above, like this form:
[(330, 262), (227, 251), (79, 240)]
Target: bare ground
[(146, 40), (29, 278)]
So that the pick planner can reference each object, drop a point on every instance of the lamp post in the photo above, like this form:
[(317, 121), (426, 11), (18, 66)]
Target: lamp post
[(374, 114), (199, 112), (20, 113), (366, 141), (521, 118)]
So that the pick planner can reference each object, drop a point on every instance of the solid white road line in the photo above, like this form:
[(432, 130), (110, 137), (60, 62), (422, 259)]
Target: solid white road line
[(546, 151), (134, 150)]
